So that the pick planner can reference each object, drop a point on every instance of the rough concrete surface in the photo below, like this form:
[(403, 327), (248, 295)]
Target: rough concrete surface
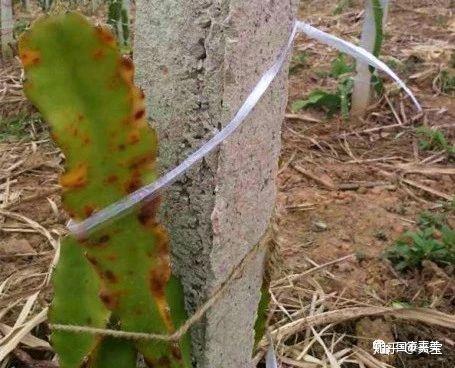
[(197, 61)]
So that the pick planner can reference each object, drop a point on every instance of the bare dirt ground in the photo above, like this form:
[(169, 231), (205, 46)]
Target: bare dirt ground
[(347, 191)]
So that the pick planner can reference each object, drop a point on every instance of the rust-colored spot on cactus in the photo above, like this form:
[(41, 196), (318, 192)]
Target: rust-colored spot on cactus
[(139, 114), (98, 54), (175, 351), (30, 57), (74, 131), (103, 238), (111, 179), (162, 240), (110, 276), (75, 178), (164, 362), (159, 276), (127, 120), (127, 63), (88, 210), (133, 137), (126, 70), (105, 36), (158, 280), (148, 211), (109, 299), (133, 184), (92, 260), (111, 257)]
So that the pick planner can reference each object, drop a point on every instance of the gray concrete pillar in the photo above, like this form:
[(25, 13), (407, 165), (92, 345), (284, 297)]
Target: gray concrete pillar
[(197, 61)]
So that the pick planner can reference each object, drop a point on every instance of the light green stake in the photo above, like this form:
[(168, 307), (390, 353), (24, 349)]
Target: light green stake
[(371, 40)]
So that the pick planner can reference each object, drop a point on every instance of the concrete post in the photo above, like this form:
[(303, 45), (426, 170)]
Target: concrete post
[(197, 61), (6, 28)]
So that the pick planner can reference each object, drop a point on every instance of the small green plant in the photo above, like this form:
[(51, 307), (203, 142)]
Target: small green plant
[(19, 27), (340, 66), (452, 60), (13, 127), (341, 6), (447, 81), (118, 18), (299, 61), (434, 140), (434, 240), (332, 102)]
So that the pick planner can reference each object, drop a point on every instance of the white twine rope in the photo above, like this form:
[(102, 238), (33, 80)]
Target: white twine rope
[(151, 190)]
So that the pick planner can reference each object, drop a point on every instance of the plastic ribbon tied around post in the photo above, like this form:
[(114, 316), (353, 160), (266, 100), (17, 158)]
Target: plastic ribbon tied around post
[(150, 191)]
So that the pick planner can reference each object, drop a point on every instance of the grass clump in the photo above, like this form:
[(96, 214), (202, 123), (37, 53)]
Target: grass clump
[(434, 240), (447, 81), (14, 127), (434, 140), (342, 6)]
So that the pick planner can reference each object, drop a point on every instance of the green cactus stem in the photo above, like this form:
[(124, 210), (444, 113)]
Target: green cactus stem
[(118, 276)]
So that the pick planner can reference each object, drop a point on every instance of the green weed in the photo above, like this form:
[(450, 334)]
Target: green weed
[(299, 61), (15, 127), (342, 6), (20, 26), (434, 140), (434, 240), (339, 66), (332, 102), (447, 81)]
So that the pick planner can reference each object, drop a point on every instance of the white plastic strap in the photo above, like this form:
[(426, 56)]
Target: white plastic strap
[(150, 191)]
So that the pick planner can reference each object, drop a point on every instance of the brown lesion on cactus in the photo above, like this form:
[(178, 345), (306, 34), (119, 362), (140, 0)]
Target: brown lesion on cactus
[(164, 362), (141, 161), (110, 276), (127, 64), (73, 130), (98, 54), (112, 257), (126, 70), (102, 241), (111, 179), (109, 298), (105, 36), (175, 351), (76, 177), (139, 114), (133, 136), (148, 211), (86, 139), (29, 57), (134, 183), (88, 210), (92, 260), (160, 273)]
